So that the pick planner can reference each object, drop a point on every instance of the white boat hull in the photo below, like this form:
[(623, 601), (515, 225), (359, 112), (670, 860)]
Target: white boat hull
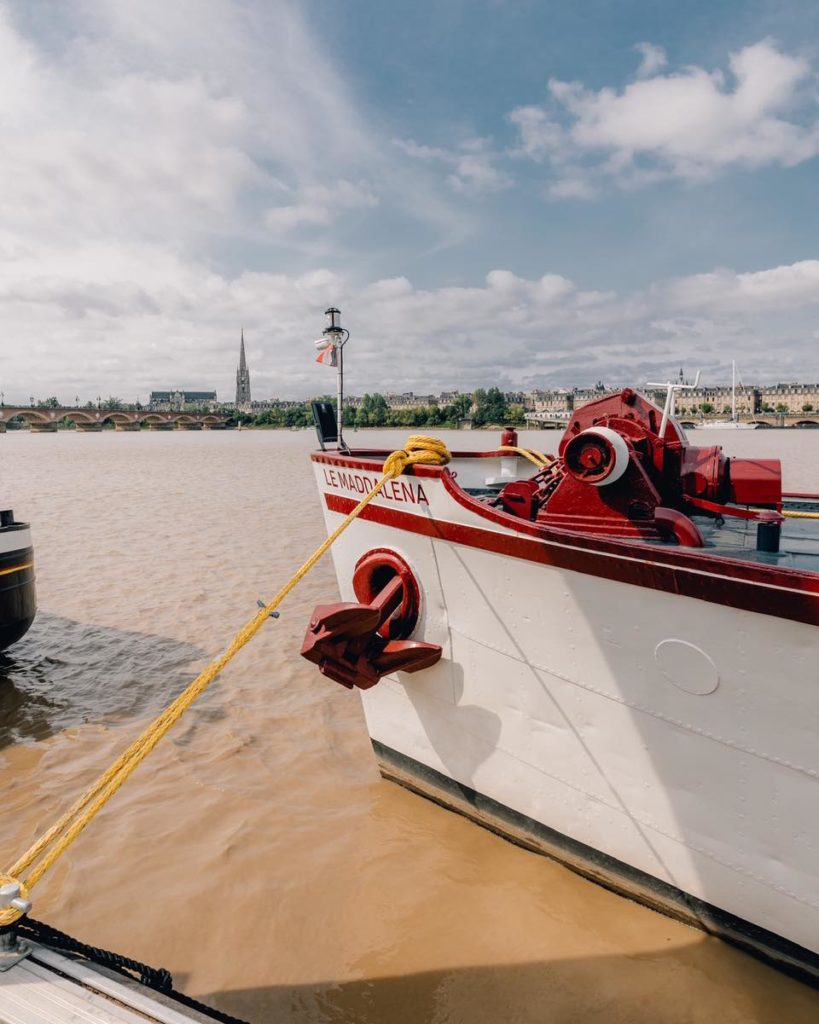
[(726, 425), (661, 742)]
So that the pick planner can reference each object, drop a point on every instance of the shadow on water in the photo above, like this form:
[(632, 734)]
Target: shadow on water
[(695, 984), (64, 673)]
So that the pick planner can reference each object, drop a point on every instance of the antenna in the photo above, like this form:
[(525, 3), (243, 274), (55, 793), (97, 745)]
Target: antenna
[(671, 389)]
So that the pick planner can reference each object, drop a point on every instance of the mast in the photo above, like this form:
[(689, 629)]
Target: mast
[(338, 336), (733, 390)]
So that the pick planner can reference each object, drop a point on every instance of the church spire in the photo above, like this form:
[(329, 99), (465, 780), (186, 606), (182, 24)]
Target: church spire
[(242, 377)]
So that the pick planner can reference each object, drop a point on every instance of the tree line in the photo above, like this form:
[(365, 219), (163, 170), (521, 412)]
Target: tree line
[(485, 407)]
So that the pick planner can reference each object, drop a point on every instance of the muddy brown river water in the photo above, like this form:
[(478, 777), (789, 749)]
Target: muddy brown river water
[(257, 854)]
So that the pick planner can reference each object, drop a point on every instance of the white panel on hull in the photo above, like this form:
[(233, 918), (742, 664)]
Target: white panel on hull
[(14, 540), (602, 635), (724, 877), (435, 737)]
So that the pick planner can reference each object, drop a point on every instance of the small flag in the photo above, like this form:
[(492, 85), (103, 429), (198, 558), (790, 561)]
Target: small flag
[(327, 352)]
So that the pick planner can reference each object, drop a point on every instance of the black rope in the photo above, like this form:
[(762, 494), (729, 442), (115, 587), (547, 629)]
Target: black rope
[(159, 980), (208, 1011), (154, 978)]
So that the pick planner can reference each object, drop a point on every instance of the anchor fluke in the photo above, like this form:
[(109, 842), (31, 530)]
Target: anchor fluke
[(343, 639)]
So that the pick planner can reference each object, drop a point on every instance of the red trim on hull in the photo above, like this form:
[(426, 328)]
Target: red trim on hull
[(786, 594), (702, 561)]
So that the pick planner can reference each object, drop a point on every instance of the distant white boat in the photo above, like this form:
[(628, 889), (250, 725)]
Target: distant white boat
[(733, 423), (727, 425)]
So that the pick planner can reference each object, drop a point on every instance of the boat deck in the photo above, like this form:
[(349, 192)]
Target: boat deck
[(799, 542), (49, 988), (736, 538)]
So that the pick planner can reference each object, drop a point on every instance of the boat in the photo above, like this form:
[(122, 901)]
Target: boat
[(608, 656), (18, 599), (733, 423)]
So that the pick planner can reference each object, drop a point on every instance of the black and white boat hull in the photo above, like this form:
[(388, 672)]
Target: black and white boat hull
[(18, 599)]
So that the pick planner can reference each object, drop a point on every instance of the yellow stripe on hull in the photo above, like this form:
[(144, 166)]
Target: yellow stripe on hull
[(16, 568)]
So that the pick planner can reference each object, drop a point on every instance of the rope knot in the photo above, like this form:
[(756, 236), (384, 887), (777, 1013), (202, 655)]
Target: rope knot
[(421, 450), (396, 462), (14, 900)]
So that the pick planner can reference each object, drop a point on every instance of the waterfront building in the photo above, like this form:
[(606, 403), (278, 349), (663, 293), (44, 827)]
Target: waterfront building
[(408, 400), (179, 401), (515, 397), (552, 402), (582, 396), (701, 402), (561, 401), (266, 404), (242, 378), (715, 401), (792, 399), (449, 397)]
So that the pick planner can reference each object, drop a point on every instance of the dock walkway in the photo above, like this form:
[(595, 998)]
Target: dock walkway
[(49, 988)]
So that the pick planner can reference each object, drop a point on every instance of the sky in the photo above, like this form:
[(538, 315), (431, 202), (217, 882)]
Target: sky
[(522, 193)]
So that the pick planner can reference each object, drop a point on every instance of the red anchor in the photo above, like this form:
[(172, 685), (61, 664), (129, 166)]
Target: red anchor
[(343, 640)]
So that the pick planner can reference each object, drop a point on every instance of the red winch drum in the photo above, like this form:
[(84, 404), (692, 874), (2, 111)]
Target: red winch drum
[(373, 571), (598, 456)]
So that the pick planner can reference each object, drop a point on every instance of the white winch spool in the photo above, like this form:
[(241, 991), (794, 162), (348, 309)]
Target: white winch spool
[(611, 468)]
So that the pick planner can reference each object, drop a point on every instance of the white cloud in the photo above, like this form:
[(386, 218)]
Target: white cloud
[(141, 123), (321, 204), (540, 135), (776, 289), (654, 58), (186, 121), (155, 318), (473, 162), (421, 152), (688, 124), (572, 188)]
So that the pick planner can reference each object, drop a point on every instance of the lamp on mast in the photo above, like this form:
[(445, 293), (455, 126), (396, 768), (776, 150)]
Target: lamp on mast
[(338, 337)]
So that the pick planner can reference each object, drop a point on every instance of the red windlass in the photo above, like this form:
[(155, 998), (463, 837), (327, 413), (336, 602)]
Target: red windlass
[(618, 477)]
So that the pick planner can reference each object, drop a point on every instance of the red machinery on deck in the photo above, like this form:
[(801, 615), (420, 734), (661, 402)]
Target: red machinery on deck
[(617, 476)]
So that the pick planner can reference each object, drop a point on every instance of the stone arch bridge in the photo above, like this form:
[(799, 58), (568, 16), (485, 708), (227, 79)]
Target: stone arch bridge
[(761, 419), (44, 420)]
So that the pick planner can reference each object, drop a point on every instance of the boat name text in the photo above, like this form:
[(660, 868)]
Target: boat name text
[(406, 491)]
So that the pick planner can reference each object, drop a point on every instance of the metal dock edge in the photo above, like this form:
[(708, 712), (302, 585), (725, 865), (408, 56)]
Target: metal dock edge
[(49, 988)]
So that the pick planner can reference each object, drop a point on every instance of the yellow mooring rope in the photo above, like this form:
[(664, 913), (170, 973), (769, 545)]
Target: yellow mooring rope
[(534, 456), (53, 843), (801, 515)]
